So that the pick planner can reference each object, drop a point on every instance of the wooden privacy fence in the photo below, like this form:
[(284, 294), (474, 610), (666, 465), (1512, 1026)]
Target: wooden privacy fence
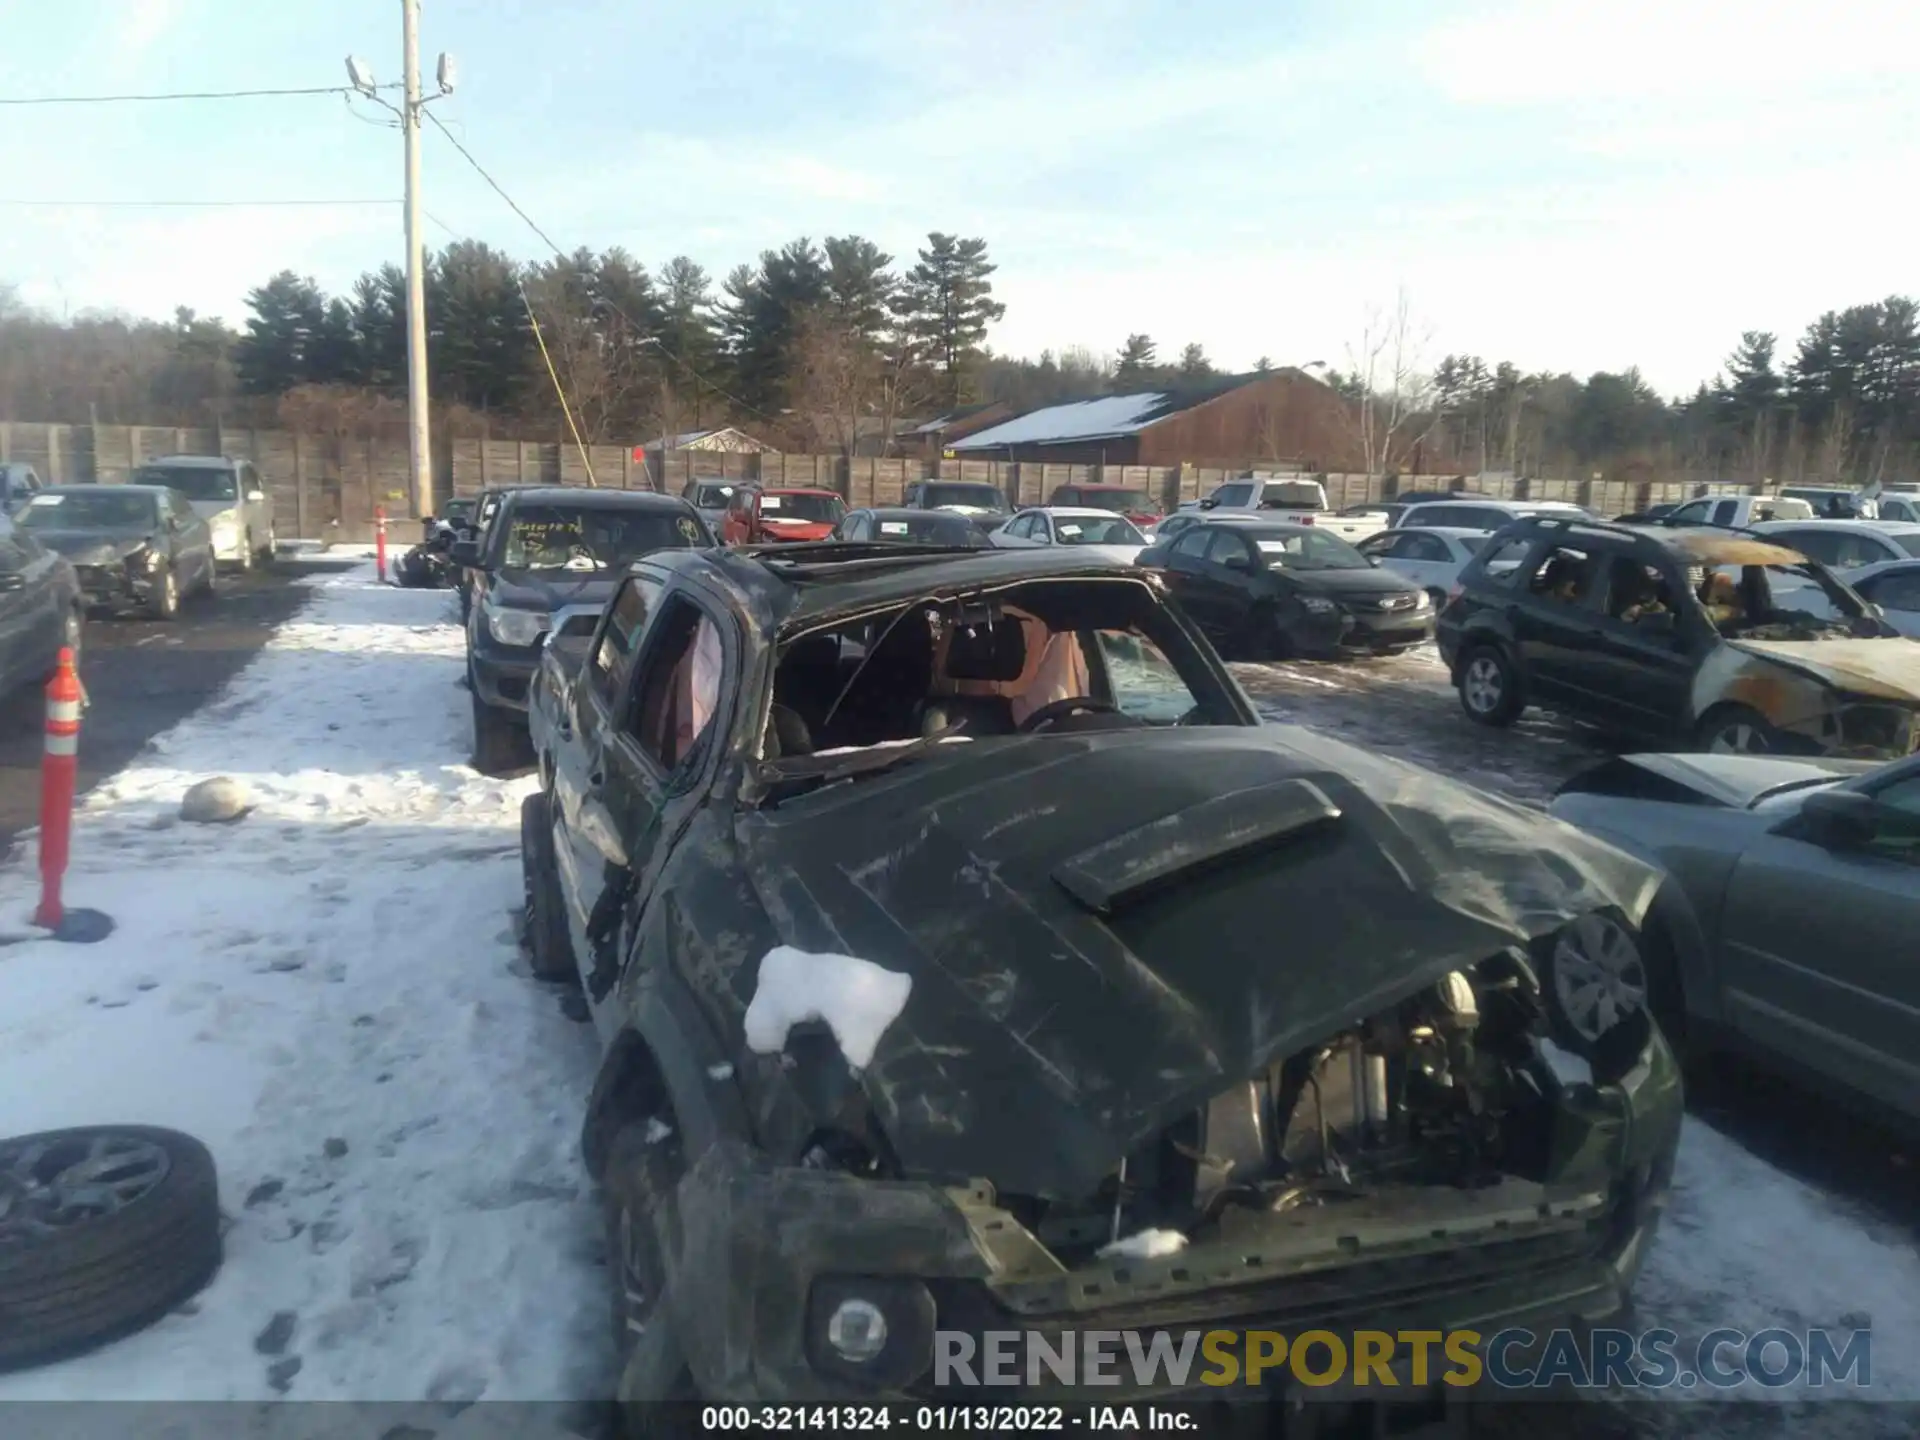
[(325, 487)]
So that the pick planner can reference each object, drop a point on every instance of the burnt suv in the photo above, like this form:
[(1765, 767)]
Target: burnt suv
[(924, 902), (1708, 638)]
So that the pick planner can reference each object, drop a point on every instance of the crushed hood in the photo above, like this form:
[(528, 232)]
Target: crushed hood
[(1887, 668), (1733, 781), (1104, 930), (93, 547)]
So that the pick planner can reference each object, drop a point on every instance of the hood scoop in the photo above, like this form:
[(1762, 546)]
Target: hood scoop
[(1132, 867)]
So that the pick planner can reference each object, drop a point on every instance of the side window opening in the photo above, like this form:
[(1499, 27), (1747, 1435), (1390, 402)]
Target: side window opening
[(1564, 575), (612, 660), (1725, 512), (679, 686), (1500, 561)]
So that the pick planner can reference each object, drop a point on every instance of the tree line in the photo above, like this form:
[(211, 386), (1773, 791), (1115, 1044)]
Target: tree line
[(827, 346)]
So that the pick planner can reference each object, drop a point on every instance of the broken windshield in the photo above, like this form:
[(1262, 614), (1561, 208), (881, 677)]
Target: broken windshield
[(556, 537), (1779, 602)]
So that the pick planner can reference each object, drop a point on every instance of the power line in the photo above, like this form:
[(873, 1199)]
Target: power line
[(560, 254), (180, 204), (176, 95)]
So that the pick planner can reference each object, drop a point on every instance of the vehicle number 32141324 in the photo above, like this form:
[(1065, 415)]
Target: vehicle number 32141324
[(990, 1419)]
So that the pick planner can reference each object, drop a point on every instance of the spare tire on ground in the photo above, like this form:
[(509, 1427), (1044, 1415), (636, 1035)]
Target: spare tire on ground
[(103, 1230)]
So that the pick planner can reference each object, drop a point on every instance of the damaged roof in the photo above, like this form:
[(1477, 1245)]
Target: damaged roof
[(1110, 417)]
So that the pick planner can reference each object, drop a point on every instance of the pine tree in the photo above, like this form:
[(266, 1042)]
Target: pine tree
[(950, 306), (274, 354), (760, 320), (1137, 366), (1263, 366), (1194, 364)]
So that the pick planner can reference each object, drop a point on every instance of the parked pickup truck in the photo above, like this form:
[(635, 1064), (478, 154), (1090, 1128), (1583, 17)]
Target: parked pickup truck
[(1737, 512), (850, 923)]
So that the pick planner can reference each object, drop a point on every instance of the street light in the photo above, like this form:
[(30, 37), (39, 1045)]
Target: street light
[(360, 74)]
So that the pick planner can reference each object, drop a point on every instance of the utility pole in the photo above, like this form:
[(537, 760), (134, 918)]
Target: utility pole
[(417, 412), (410, 112)]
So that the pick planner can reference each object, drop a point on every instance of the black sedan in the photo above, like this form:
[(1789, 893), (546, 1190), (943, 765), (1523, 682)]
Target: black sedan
[(1267, 589), (899, 525), (134, 546)]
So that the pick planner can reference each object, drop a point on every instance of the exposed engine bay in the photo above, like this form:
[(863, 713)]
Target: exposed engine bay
[(1447, 1090)]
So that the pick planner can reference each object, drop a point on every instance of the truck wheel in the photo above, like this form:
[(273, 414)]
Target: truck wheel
[(549, 948), (496, 739), (102, 1231), (641, 1176), (1489, 690)]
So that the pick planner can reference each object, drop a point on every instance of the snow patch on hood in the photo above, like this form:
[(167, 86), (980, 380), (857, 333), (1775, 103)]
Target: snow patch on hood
[(1145, 1245), (855, 998)]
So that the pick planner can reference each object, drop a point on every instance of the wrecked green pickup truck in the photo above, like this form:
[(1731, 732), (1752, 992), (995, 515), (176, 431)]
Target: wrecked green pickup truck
[(968, 957)]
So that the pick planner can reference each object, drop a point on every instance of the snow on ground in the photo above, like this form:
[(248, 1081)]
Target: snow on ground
[(329, 994)]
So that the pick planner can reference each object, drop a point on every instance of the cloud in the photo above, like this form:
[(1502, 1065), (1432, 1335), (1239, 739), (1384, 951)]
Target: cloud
[(136, 29), (1565, 52)]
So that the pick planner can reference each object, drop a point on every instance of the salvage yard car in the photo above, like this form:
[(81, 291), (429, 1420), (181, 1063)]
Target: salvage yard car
[(229, 495), (984, 505), (1787, 921), (547, 562), (132, 546), (41, 609), (924, 905), (783, 515), (896, 525), (1265, 589), (1113, 536), (1707, 638)]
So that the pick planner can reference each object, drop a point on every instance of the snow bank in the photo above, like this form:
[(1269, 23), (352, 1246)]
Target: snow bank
[(856, 999), (328, 992)]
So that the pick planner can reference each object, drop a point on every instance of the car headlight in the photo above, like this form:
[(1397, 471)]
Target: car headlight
[(146, 558), (1315, 605), (876, 1332), (516, 627)]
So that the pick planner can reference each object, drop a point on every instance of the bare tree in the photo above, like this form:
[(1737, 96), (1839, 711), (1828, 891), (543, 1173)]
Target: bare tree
[(1392, 410)]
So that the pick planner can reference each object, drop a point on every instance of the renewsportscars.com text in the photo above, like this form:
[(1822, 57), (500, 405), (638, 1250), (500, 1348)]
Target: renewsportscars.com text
[(1513, 1359)]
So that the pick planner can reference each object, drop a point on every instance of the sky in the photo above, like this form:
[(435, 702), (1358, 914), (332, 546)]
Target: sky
[(1563, 184)]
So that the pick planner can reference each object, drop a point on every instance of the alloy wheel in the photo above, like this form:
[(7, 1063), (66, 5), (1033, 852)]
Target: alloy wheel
[(1599, 977), (1483, 685), (49, 1184)]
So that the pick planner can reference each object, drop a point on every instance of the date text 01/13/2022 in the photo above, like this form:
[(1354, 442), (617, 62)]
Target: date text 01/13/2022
[(990, 1419)]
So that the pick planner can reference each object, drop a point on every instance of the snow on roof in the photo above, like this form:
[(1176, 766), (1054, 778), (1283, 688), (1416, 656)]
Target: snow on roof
[(1111, 415), (1107, 418)]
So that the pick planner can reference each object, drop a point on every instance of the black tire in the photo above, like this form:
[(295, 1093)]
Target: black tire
[(165, 601), (497, 740), (549, 947), (84, 1283), (642, 1177), (1489, 688), (1735, 730), (210, 587), (1259, 638)]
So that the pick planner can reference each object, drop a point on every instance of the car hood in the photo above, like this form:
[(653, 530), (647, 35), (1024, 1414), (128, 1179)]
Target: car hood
[(1372, 580), (1264, 887), (93, 547), (1732, 781), (974, 510), (1124, 554), (1888, 668), (551, 590), (783, 529), (208, 509)]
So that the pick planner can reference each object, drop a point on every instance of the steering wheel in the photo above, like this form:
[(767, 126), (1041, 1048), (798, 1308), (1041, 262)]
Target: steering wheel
[(1060, 709)]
